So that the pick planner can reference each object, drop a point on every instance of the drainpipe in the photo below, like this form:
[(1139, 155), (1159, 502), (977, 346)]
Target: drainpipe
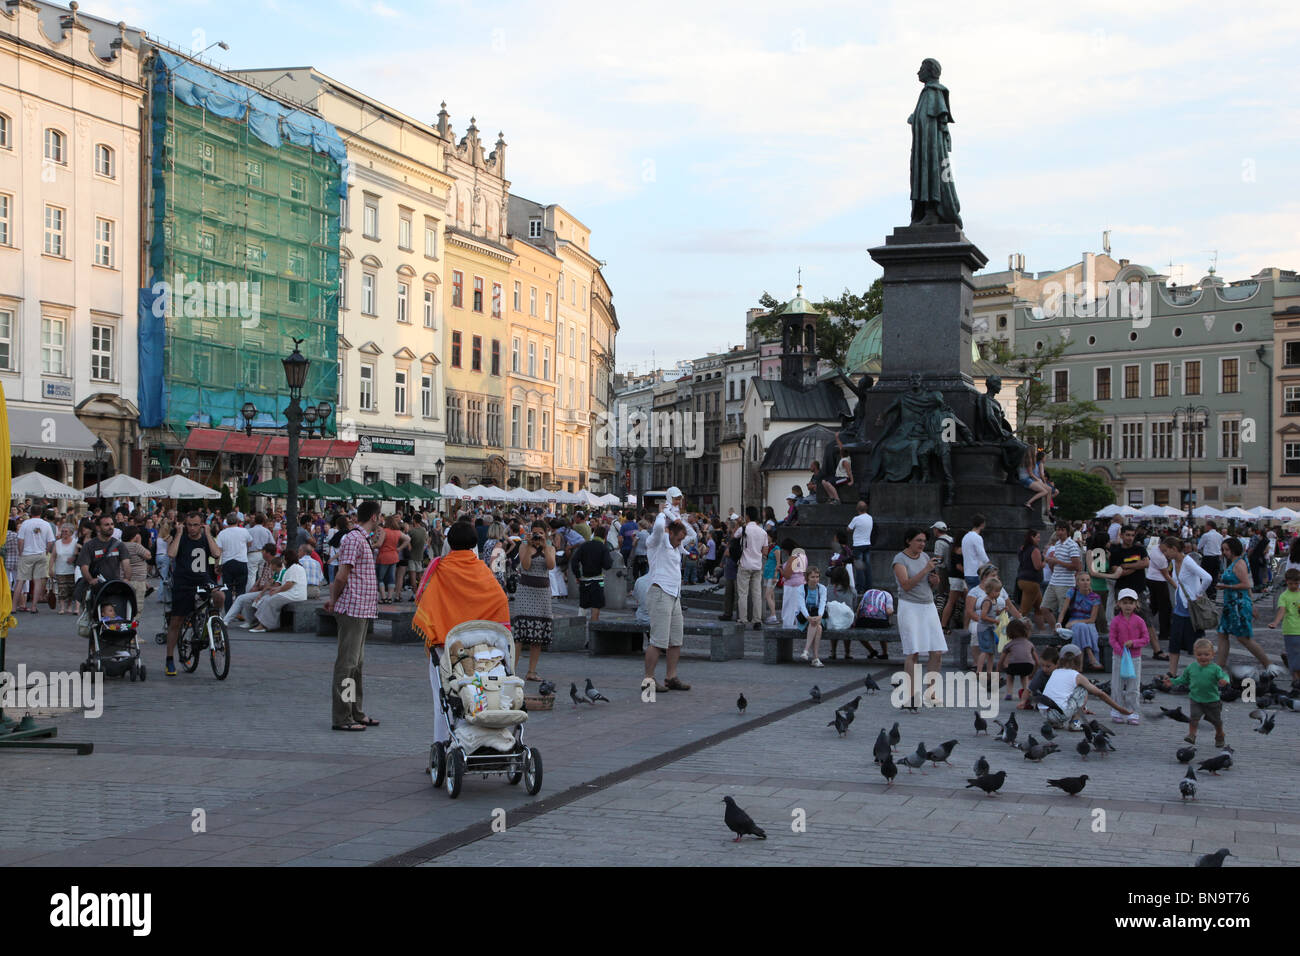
[(1259, 353)]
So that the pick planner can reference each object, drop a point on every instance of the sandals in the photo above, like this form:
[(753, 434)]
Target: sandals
[(1160, 656), (368, 721), (352, 727), (532, 679)]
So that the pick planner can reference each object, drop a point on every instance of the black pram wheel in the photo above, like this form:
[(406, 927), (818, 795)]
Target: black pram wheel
[(143, 672)]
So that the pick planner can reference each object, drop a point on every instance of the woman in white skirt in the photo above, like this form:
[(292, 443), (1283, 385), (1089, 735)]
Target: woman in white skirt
[(918, 619), (792, 573)]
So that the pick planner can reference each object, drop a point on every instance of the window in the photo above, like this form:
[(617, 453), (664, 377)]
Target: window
[(1160, 380), (426, 395), (455, 350), (546, 363), (254, 170), (559, 341), (1102, 446), (1192, 377), (428, 309), (453, 418), (4, 132), (1193, 439), (574, 289), (101, 353), (572, 339), (458, 289), (1229, 438), (431, 241), (367, 400), (368, 293), (403, 297), (1228, 375), (496, 356), (404, 231), (56, 147), (1132, 381), (104, 243), (1162, 440), (546, 431), (343, 286), (297, 187), (514, 355), (1291, 395), (494, 422), (532, 427), (1061, 385), (399, 392), (496, 300), (1291, 458), (1160, 496), (370, 222), (478, 293), (571, 391), (532, 359), (514, 426), (1130, 438), (53, 344), (1291, 353), (548, 307), (532, 300), (518, 295), (1238, 476), (534, 229), (476, 353), (104, 164), (5, 207), (54, 225), (6, 340), (207, 156)]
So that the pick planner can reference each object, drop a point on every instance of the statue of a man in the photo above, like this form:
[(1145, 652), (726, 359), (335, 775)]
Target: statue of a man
[(934, 197), (992, 428), (918, 428)]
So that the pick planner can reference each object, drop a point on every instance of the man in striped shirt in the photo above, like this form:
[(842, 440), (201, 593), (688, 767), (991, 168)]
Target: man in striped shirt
[(354, 596)]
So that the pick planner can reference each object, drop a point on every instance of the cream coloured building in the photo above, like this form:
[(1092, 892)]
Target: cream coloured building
[(530, 379)]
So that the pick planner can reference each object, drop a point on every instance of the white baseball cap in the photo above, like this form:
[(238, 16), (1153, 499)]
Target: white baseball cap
[(940, 525), (1127, 593), (674, 492)]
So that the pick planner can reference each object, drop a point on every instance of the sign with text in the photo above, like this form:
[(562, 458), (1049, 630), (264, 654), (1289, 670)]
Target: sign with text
[(380, 445), (56, 391)]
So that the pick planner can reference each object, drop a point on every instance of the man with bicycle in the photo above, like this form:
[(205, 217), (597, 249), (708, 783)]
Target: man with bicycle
[(190, 550)]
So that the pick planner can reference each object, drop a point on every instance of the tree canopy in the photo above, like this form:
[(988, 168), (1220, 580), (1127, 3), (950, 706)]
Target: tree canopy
[(840, 320)]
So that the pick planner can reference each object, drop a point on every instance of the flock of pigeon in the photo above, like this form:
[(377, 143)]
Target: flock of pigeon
[(589, 696)]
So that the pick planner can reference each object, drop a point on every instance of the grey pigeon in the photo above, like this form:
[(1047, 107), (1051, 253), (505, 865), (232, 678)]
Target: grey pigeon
[(1176, 714), (894, 736), (815, 694), (546, 688), (1266, 725), (981, 725), (1071, 785), (1214, 859), (915, 761), (1287, 702), (1215, 764), (574, 696), (739, 822), (881, 750), (1102, 745), (990, 783), (840, 723), (1046, 730), (1187, 786), (888, 769), (940, 753), (1039, 752), (1032, 741), (594, 695), (741, 703), (1185, 754), (1082, 747), (1148, 695), (1101, 729), (853, 704), (981, 767), (870, 684)]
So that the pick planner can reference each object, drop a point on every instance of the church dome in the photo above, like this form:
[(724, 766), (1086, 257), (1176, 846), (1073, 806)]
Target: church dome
[(865, 349)]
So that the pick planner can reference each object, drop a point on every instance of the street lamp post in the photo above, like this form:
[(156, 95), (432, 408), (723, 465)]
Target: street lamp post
[(249, 411), (100, 451), (437, 465), (1190, 413), (295, 374)]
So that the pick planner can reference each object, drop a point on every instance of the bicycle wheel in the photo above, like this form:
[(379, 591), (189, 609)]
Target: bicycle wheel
[(219, 642), (187, 648)]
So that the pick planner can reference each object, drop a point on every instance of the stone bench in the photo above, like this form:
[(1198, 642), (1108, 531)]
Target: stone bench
[(726, 639), (398, 619), (300, 616)]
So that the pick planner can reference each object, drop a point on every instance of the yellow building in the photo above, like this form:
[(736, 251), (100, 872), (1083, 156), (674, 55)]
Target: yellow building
[(476, 275), (530, 379)]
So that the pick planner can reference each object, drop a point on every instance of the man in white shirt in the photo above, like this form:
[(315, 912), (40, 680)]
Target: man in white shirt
[(664, 548), (234, 542), (749, 573), (292, 587), (1065, 558), (1116, 525), (1158, 594), (973, 555), (861, 526), (1210, 545), (34, 562)]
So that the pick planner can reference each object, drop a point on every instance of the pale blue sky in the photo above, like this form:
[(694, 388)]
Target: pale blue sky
[(713, 148)]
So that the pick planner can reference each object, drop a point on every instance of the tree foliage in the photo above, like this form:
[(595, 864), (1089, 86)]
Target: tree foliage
[(227, 505), (241, 498), (1039, 417), (841, 319), (1080, 495)]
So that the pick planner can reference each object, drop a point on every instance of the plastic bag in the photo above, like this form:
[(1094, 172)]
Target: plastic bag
[(839, 616), (1126, 669), (1000, 629)]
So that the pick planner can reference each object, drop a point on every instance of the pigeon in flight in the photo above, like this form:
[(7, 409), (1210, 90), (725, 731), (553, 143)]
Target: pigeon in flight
[(1176, 714), (573, 695), (990, 783), (841, 722), (1185, 754), (881, 750), (981, 767), (739, 822), (546, 688), (888, 769), (915, 761), (870, 684), (1071, 785), (940, 753), (594, 695), (1214, 859), (741, 703), (894, 736), (981, 725), (1215, 764), (815, 694), (1187, 786)]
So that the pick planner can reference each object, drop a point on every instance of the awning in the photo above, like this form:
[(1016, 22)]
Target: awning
[(45, 433), (236, 442)]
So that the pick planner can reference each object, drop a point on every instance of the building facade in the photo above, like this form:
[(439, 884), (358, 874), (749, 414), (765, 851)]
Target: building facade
[(530, 379), (1284, 427), (604, 335)]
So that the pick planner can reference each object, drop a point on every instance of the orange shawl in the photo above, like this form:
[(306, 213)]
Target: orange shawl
[(458, 588)]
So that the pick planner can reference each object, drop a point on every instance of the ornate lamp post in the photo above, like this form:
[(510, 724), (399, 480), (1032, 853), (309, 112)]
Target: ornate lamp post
[(295, 375), (249, 411), (1189, 414), (100, 451), (437, 465)]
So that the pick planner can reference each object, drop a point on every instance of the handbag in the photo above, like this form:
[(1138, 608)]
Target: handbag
[(1126, 670), (1202, 612)]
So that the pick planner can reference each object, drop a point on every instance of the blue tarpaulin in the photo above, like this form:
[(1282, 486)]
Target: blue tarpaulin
[(152, 337)]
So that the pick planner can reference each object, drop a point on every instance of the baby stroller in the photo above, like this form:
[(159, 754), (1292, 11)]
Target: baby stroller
[(483, 703), (114, 641)]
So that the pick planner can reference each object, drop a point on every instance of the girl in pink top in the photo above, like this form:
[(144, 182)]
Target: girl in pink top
[(1127, 630)]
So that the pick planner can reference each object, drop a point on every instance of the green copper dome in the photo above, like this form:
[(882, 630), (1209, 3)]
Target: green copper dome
[(864, 351), (798, 305)]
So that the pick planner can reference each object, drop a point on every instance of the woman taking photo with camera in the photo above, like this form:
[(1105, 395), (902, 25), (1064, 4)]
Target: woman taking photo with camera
[(530, 618)]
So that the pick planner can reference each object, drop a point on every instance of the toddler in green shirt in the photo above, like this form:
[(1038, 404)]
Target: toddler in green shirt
[(1203, 679)]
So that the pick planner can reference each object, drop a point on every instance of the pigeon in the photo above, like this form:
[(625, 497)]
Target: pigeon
[(1215, 764), (870, 684), (1176, 714), (981, 767), (1266, 725), (594, 695), (1104, 687), (1071, 785), (990, 783), (1214, 859), (981, 725), (894, 736), (914, 761), (741, 703), (1039, 700), (1007, 732), (546, 688), (1031, 742), (573, 695), (1148, 695), (840, 723), (853, 704), (1042, 750), (1102, 745), (739, 822), (940, 753), (1046, 730), (1187, 786), (1082, 747), (888, 769), (1100, 729), (1287, 702), (881, 749), (815, 694), (1185, 754)]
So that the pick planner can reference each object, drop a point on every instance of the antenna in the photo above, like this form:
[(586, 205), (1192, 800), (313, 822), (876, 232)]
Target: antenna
[(1214, 260)]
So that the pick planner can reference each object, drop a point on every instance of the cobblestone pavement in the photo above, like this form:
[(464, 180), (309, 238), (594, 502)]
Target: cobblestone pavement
[(276, 786)]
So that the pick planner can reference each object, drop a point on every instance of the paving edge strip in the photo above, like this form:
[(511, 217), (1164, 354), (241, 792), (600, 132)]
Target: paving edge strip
[(479, 831)]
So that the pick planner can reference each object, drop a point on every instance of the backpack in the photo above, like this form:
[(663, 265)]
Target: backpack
[(735, 549)]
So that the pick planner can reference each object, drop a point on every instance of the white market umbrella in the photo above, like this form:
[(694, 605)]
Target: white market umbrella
[(1169, 512), (1152, 511), (1128, 511), (122, 486), (487, 493), (35, 485), (1260, 512), (1285, 514), (1205, 511), (451, 491), (1238, 514), (178, 486), (610, 499), (1108, 511)]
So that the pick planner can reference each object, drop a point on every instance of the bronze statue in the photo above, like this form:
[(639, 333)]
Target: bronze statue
[(918, 429), (934, 196), (992, 428)]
